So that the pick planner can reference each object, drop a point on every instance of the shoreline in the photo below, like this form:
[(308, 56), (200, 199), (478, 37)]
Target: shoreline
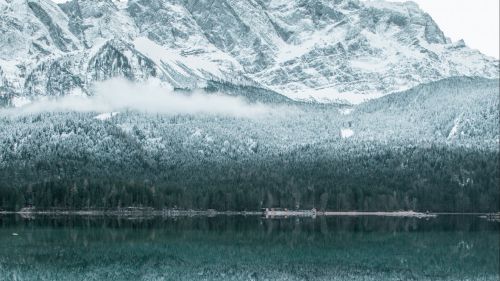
[(268, 213), (314, 213), (133, 213), (384, 214)]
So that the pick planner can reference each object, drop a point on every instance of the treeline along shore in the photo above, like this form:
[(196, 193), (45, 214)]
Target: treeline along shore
[(433, 179)]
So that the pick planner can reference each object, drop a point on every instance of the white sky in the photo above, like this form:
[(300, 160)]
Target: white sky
[(475, 21)]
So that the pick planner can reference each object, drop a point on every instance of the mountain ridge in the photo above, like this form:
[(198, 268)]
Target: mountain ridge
[(322, 51)]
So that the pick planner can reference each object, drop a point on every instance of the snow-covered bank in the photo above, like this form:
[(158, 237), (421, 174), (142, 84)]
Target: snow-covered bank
[(495, 217), (383, 214), (314, 213)]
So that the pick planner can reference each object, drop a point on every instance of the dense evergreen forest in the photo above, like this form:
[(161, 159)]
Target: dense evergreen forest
[(430, 179), (403, 154)]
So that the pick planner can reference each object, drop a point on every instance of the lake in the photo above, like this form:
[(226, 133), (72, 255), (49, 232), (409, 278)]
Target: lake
[(447, 247)]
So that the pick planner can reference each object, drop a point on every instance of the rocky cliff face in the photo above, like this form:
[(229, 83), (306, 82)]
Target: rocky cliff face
[(327, 51)]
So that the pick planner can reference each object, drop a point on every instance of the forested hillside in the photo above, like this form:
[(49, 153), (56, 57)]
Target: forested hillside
[(432, 148)]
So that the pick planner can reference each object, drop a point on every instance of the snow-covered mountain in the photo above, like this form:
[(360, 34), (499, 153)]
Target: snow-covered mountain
[(324, 50)]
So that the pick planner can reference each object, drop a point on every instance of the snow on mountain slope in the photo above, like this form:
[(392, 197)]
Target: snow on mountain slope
[(58, 75), (319, 50), (187, 70), (33, 28), (363, 49), (30, 31)]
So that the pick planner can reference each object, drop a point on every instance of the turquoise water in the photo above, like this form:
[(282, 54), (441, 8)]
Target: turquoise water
[(248, 248)]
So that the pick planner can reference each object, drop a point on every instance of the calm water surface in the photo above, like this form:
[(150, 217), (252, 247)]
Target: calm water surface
[(248, 248)]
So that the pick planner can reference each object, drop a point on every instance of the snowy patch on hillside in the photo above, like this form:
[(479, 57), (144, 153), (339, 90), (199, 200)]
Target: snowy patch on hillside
[(187, 65), (121, 4), (370, 64), (105, 116), (309, 42), (456, 126), (346, 111), (346, 133), (331, 95), (402, 8)]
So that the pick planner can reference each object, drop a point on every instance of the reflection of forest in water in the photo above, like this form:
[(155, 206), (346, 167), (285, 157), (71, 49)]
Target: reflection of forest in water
[(235, 247), (255, 224)]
